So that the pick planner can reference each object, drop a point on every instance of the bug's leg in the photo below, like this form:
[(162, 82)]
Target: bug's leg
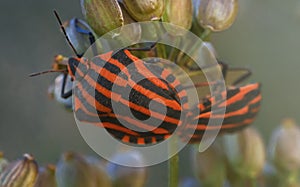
[(224, 67), (240, 79), (67, 94), (146, 48)]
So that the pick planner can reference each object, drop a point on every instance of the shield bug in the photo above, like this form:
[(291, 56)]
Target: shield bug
[(241, 104)]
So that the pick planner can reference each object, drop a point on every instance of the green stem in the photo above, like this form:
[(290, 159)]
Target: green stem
[(161, 51), (253, 182), (160, 48), (288, 178), (182, 59), (174, 52), (204, 36), (173, 164)]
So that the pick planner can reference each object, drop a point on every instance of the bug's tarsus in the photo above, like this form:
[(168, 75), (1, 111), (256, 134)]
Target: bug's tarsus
[(67, 94), (65, 33)]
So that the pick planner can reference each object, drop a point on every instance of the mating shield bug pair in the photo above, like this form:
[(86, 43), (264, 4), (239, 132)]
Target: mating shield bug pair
[(100, 84)]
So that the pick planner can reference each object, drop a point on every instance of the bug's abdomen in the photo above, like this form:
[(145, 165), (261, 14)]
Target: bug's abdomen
[(242, 105)]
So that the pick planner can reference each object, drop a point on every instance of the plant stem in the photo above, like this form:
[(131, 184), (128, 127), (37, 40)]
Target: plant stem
[(253, 182), (204, 36), (173, 164)]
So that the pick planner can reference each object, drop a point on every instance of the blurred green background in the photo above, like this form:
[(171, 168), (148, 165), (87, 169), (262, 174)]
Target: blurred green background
[(264, 38)]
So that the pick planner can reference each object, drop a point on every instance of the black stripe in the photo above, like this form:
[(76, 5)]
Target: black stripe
[(106, 101), (142, 100), (100, 63), (229, 120), (122, 57), (241, 103), (235, 106)]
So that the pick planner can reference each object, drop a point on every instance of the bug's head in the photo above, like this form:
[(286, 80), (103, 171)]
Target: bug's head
[(60, 64), (77, 67)]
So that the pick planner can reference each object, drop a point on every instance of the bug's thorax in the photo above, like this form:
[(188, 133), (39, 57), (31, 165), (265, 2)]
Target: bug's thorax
[(77, 67)]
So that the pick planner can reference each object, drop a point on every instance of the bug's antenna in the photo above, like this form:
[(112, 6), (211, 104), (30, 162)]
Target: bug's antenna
[(65, 33), (47, 71)]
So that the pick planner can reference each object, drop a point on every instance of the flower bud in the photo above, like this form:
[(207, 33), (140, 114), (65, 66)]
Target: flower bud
[(80, 41), (102, 15), (130, 33), (285, 146), (216, 15), (209, 166), (73, 170), (101, 176), (20, 173), (245, 152), (146, 10), (54, 91), (3, 162), (124, 176), (179, 13), (46, 177)]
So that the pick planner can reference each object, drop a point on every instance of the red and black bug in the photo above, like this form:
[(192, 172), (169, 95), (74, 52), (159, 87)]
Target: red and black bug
[(240, 102), (94, 98)]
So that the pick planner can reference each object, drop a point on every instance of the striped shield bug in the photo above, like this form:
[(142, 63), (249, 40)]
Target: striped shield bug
[(156, 99), (242, 103)]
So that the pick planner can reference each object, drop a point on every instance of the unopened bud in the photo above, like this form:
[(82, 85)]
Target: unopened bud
[(209, 166), (73, 171), (20, 173), (46, 177), (146, 10), (102, 15), (216, 15), (99, 170), (285, 146), (124, 176), (3, 162), (179, 13), (245, 152)]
